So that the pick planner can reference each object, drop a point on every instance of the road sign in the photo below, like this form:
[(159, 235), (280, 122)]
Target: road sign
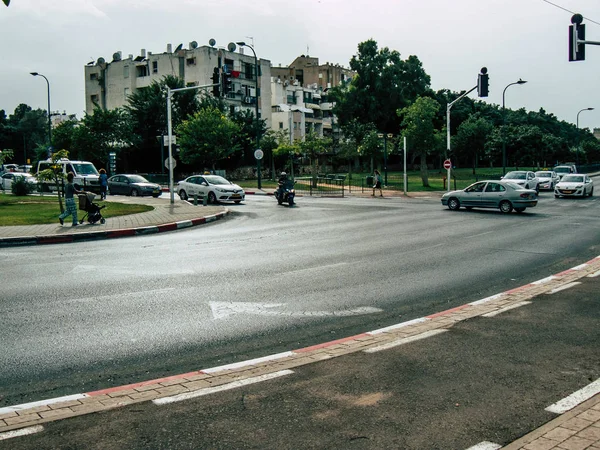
[(447, 164), (173, 162), (258, 154)]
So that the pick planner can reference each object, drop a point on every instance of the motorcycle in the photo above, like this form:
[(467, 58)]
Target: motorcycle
[(286, 193)]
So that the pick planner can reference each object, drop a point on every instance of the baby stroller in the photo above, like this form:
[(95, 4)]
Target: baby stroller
[(92, 210)]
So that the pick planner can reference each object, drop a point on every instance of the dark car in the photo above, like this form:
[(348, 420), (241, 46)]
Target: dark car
[(134, 185)]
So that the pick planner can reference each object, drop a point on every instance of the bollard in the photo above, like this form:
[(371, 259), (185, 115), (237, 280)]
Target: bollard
[(205, 200), (195, 199)]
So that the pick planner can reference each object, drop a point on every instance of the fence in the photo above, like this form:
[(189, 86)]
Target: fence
[(324, 186)]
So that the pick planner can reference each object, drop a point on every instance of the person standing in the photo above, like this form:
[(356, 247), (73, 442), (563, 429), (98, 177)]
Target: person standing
[(103, 184), (377, 185), (70, 205)]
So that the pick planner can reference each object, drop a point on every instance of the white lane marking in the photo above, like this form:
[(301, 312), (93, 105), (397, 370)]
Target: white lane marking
[(403, 341), (485, 445), (221, 310), (21, 432), (563, 287), (250, 362), (50, 401), (594, 275), (545, 280), (506, 308), (223, 387), (575, 398), (487, 299), (124, 294), (319, 268), (398, 325), (580, 267)]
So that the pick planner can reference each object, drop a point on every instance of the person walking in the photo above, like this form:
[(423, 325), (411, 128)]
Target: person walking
[(70, 205), (103, 184), (377, 185)]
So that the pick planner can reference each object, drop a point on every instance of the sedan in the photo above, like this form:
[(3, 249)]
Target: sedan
[(548, 179), (523, 178), (215, 188), (577, 185), (504, 195), (134, 185), (10, 177)]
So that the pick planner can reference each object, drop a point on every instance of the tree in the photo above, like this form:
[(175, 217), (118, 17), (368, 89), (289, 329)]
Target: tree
[(384, 83), (54, 174), (417, 120), (471, 138), (313, 146), (207, 137), (6, 2), (246, 139)]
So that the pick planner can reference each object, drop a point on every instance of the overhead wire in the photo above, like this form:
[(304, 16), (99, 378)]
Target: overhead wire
[(565, 9)]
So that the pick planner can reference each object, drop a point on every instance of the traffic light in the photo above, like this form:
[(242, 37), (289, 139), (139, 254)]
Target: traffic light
[(216, 83), (482, 83), (226, 83), (576, 33)]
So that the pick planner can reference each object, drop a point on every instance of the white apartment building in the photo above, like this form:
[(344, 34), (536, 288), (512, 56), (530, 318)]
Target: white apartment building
[(109, 84)]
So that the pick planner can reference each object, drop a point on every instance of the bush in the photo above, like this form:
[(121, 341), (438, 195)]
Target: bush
[(21, 187)]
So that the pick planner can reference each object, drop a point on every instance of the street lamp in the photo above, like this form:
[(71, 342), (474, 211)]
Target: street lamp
[(35, 74), (504, 126), (577, 148), (243, 44)]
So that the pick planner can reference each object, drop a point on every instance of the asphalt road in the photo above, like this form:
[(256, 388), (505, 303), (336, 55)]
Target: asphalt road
[(82, 317)]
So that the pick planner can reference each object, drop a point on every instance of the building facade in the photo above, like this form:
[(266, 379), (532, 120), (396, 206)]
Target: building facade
[(307, 71)]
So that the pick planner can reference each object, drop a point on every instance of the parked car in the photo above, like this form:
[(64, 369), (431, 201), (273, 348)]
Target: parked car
[(214, 187), (134, 185), (86, 177), (566, 169), (9, 178), (576, 185), (524, 178), (548, 179), (503, 194)]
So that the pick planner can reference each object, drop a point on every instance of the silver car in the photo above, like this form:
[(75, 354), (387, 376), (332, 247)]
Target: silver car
[(548, 179), (503, 194)]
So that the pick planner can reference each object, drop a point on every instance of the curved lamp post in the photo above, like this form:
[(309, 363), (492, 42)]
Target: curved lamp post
[(35, 74), (577, 149), (504, 125), (243, 44)]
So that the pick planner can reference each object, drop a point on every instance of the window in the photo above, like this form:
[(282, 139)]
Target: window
[(125, 71), (126, 92), (93, 76), (94, 98), (191, 61), (154, 66), (142, 71), (280, 125)]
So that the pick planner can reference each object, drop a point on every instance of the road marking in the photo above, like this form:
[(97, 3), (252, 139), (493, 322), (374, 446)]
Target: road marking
[(21, 432), (563, 287), (51, 401), (403, 341), (594, 275), (124, 294), (485, 445), (224, 387), (575, 398), (221, 310), (506, 308), (486, 300), (544, 280), (398, 325), (249, 362)]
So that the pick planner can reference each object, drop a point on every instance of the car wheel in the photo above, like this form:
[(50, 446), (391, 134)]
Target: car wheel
[(134, 193), (592, 192), (212, 198), (556, 196), (453, 204), (506, 206), (183, 195), (537, 188), (519, 210)]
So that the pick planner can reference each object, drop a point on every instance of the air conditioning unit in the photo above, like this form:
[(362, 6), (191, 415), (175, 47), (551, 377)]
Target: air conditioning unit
[(247, 99)]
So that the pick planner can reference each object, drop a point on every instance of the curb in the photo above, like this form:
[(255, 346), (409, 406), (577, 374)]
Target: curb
[(109, 234)]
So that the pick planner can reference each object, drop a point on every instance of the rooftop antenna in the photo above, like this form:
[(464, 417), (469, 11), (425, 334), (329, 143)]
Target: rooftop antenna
[(250, 37)]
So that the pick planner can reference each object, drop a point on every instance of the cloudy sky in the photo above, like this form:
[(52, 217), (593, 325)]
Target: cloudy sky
[(453, 38)]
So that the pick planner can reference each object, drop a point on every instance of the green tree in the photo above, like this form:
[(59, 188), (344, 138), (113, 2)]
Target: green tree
[(417, 120), (471, 138), (206, 138), (246, 139), (313, 146), (54, 174), (6, 2)]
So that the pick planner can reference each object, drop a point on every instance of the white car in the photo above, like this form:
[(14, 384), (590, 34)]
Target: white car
[(575, 185), (548, 179), (9, 177), (565, 169), (524, 178), (215, 188)]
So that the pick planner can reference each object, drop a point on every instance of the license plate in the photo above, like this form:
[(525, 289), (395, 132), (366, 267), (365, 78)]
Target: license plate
[(567, 192), (236, 196)]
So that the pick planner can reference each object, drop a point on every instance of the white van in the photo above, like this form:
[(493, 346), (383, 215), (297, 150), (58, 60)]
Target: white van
[(86, 176)]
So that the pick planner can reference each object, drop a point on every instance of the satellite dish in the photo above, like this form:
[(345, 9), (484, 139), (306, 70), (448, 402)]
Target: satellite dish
[(212, 42), (193, 44), (231, 47), (117, 56), (101, 60), (179, 47)]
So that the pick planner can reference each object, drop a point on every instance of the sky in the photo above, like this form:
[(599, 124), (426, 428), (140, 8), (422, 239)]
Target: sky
[(454, 39)]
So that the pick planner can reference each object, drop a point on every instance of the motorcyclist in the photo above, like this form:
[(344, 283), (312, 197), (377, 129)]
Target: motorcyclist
[(283, 178)]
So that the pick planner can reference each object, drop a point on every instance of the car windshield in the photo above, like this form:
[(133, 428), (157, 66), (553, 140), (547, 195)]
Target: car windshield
[(573, 179), (85, 169), (562, 169), (137, 179), (215, 179), (543, 174), (516, 175)]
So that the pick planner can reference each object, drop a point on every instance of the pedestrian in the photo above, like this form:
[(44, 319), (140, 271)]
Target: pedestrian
[(70, 205), (377, 185), (103, 184)]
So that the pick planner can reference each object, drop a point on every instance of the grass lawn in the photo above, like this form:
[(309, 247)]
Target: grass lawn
[(35, 210)]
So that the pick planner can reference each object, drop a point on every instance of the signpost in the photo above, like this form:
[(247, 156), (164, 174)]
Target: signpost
[(258, 154), (448, 167)]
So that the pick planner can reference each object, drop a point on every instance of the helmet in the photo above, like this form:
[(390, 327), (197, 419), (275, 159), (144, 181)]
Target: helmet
[(283, 174)]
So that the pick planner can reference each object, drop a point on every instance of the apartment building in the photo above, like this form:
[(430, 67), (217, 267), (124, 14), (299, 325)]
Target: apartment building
[(307, 71), (109, 84)]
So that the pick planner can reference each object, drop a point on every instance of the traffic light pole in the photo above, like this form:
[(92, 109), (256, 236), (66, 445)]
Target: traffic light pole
[(170, 93), (448, 108)]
